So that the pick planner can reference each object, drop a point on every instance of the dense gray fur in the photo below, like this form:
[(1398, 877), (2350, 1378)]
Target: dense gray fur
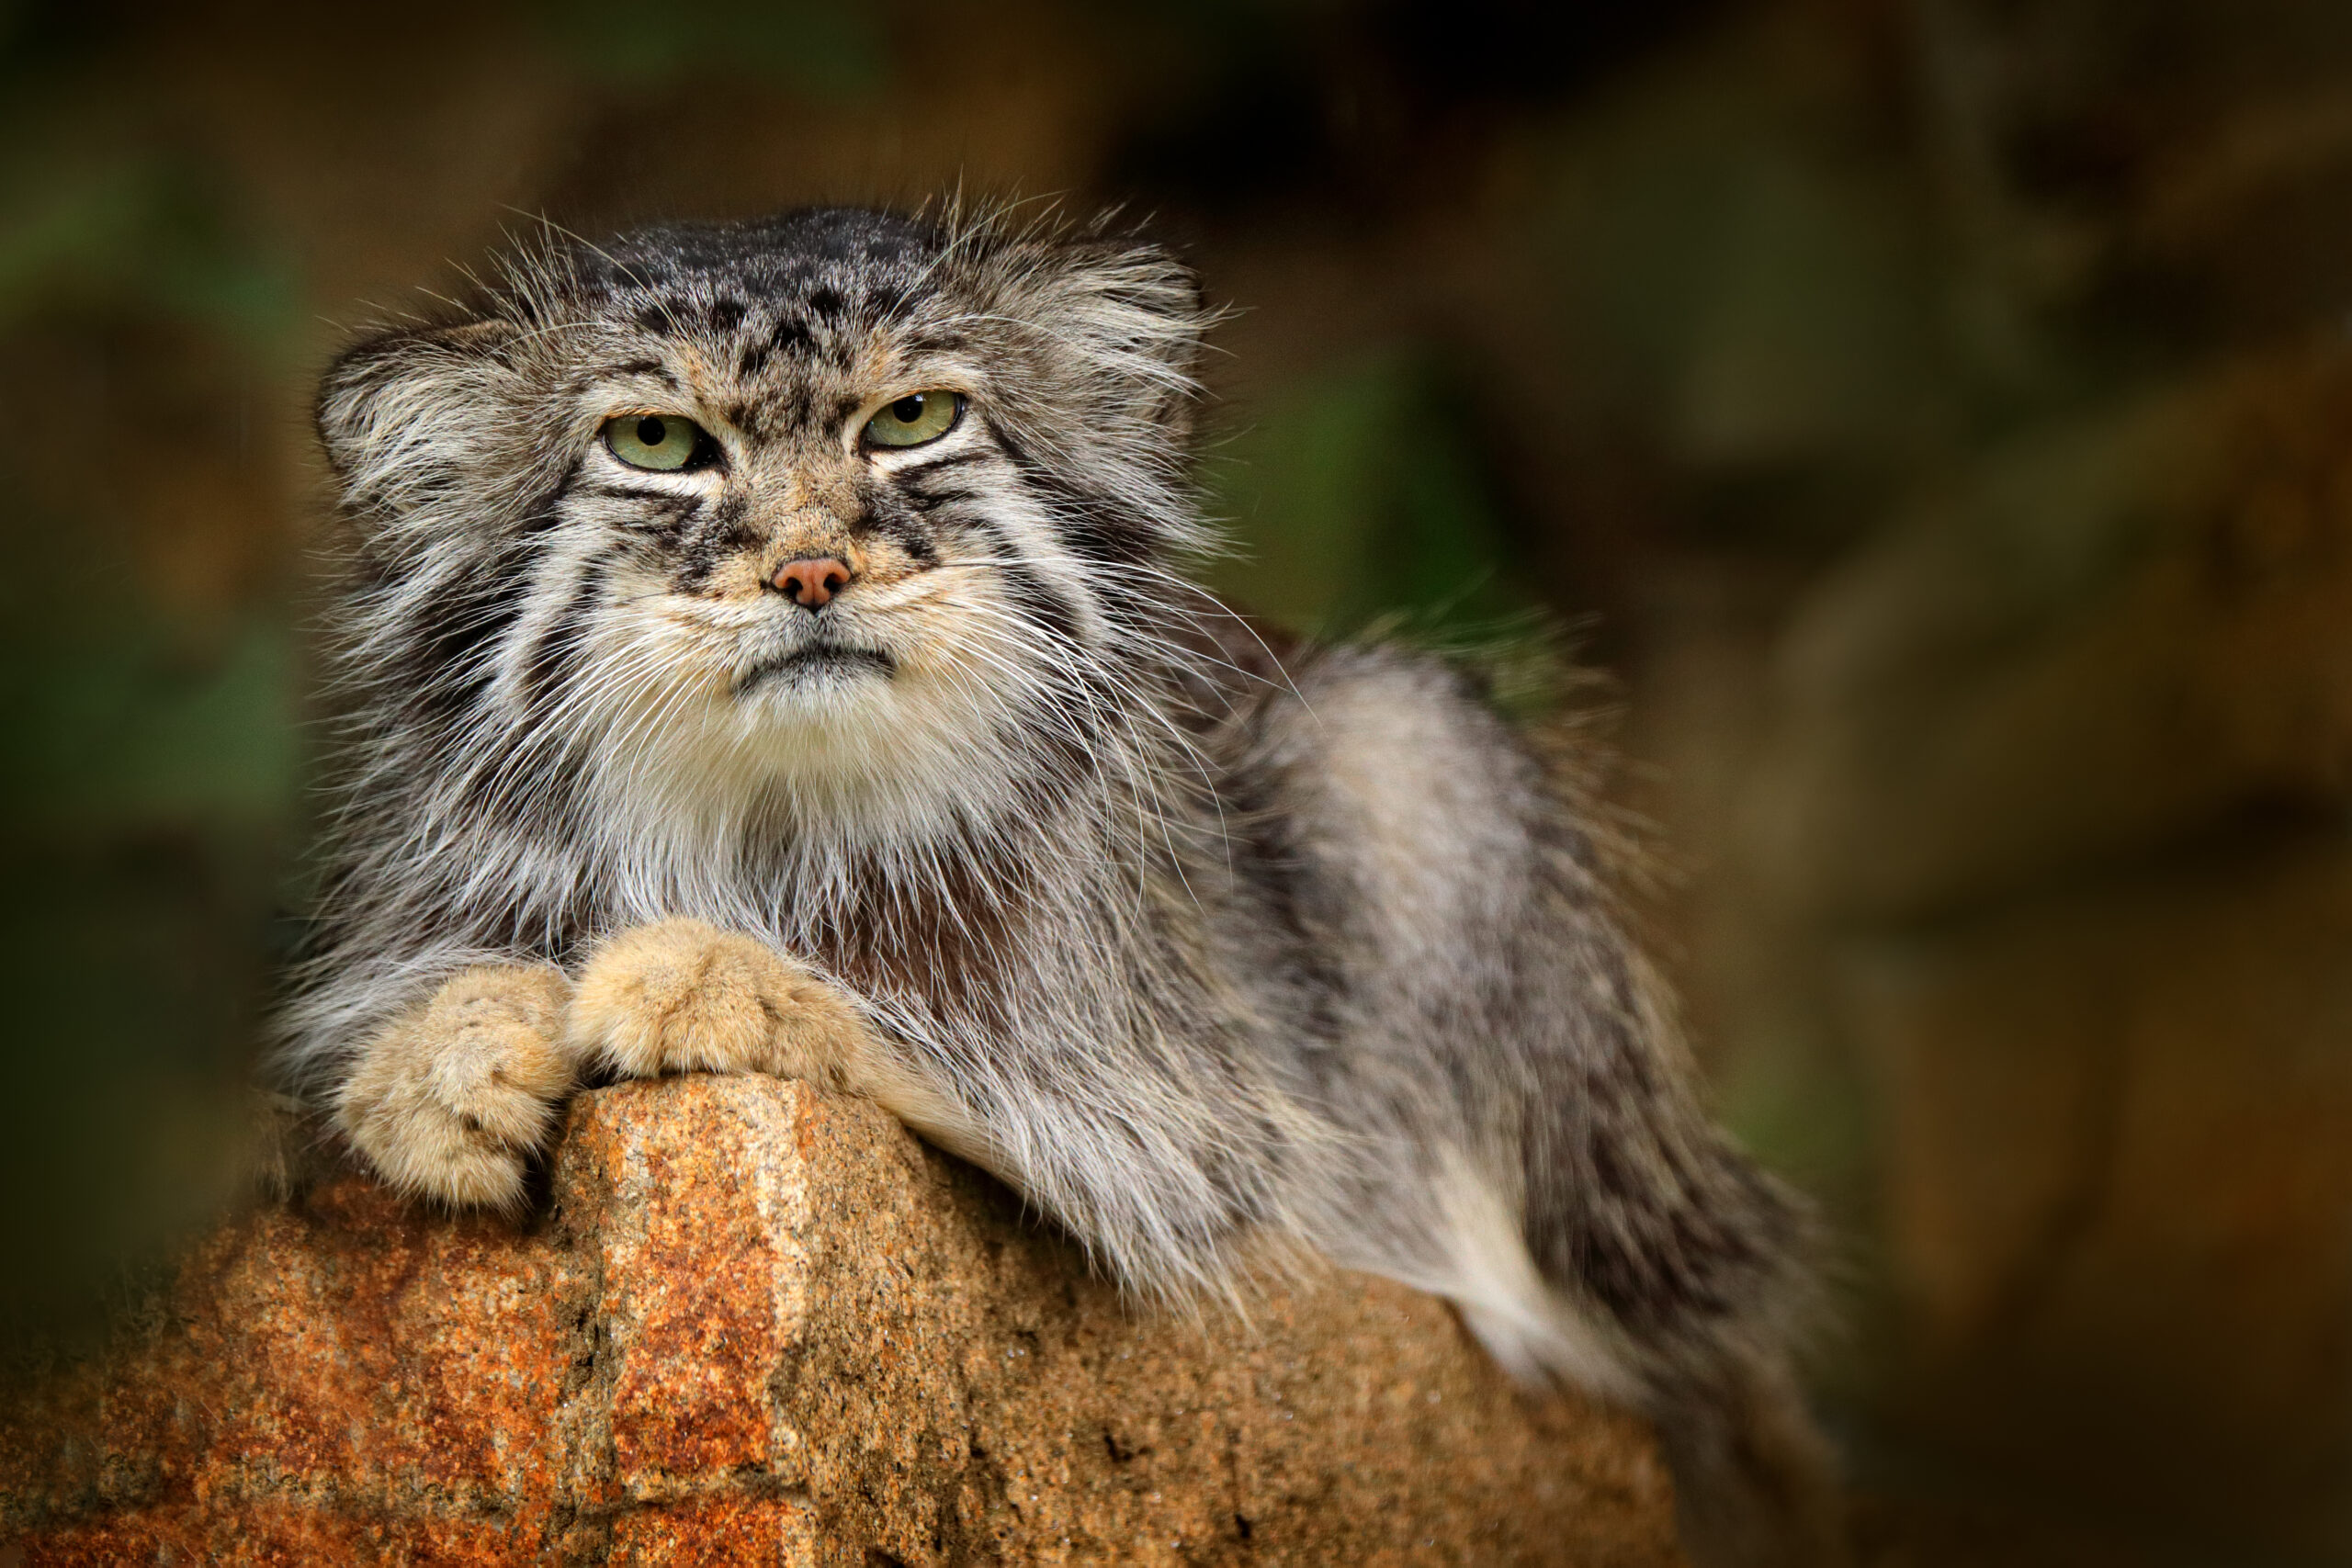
[(1214, 941)]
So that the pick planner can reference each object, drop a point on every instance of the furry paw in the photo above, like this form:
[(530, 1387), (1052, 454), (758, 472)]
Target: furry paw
[(683, 996), (452, 1100)]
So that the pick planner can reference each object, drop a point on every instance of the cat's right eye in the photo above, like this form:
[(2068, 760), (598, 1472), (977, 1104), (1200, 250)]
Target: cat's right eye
[(665, 443)]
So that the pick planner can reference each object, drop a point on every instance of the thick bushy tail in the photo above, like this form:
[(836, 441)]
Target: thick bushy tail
[(1697, 1268), (1755, 1486)]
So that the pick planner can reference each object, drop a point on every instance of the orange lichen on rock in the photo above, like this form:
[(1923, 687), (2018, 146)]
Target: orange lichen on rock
[(760, 1324)]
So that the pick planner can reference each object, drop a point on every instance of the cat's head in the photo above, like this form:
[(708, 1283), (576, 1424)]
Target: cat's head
[(813, 509)]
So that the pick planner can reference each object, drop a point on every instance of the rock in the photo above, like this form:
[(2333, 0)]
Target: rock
[(759, 1324)]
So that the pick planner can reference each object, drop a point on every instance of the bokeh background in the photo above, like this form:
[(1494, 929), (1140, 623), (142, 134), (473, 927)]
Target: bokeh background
[(1937, 414)]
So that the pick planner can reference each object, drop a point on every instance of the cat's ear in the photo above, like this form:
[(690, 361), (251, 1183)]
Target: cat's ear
[(1094, 340), (402, 414), (1135, 311)]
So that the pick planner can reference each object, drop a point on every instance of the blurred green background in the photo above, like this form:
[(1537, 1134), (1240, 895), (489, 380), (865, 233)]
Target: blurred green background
[(1934, 413)]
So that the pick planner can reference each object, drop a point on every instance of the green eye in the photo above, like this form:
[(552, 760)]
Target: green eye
[(663, 442), (914, 419)]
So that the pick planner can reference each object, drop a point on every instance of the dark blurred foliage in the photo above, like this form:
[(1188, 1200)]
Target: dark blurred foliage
[(1933, 412)]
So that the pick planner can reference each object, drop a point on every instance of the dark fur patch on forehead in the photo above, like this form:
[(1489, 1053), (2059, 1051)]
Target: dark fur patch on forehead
[(789, 291), (812, 253)]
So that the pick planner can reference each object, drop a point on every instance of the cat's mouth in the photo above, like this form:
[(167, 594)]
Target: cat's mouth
[(817, 661)]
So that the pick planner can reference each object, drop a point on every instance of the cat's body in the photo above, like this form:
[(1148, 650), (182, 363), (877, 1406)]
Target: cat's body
[(874, 740)]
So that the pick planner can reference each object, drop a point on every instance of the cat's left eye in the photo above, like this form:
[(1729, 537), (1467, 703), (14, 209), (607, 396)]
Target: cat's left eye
[(914, 419), (662, 442)]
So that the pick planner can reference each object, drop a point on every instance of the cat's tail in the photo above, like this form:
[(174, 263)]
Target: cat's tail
[(1756, 1484), (1681, 1296)]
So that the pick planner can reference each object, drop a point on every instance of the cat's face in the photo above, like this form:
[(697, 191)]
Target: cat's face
[(824, 509)]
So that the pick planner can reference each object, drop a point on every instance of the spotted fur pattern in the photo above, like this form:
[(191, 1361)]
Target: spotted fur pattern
[(1196, 939)]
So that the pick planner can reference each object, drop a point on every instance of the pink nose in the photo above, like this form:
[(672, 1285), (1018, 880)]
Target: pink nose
[(813, 583)]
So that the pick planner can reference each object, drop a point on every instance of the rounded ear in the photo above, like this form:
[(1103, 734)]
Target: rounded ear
[(1136, 313), (400, 413), (1096, 336)]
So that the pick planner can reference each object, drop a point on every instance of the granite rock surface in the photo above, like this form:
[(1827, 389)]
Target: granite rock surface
[(759, 1324)]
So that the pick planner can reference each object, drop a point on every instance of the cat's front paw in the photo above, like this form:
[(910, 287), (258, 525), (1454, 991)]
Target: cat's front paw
[(452, 1100), (683, 996)]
